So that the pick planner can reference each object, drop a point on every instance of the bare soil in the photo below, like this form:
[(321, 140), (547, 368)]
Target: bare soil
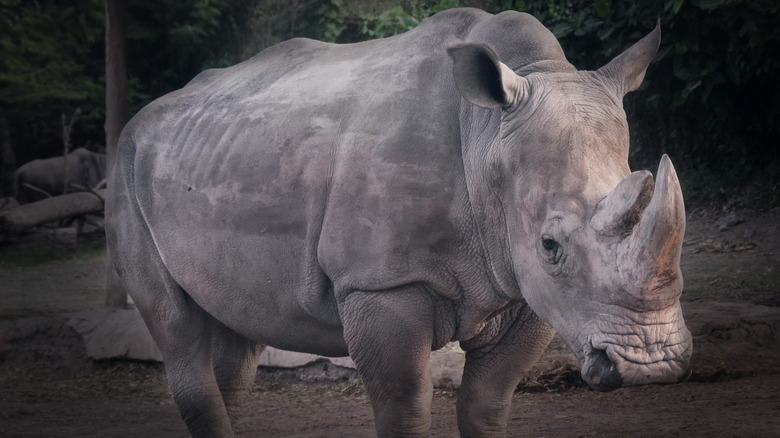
[(731, 303)]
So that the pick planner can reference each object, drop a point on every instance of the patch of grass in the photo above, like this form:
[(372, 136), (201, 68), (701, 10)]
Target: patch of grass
[(349, 388), (563, 377), (353, 387), (33, 253)]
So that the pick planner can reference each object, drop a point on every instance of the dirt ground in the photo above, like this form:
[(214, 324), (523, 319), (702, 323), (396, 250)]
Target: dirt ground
[(731, 304)]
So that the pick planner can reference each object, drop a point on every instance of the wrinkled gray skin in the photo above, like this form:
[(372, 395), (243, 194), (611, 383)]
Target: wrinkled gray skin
[(461, 181), (85, 168)]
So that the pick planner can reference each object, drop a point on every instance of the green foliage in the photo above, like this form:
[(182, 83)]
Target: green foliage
[(344, 22), (51, 64), (710, 99), (38, 65), (272, 21), (401, 19), (43, 251), (169, 42), (329, 20), (53, 60)]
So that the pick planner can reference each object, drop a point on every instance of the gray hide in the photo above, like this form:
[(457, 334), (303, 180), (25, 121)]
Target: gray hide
[(461, 181), (85, 169)]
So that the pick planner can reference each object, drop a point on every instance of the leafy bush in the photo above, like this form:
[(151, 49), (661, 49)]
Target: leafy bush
[(710, 99), (48, 67)]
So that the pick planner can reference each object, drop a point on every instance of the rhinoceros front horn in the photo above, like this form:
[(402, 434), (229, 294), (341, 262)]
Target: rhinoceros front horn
[(650, 256)]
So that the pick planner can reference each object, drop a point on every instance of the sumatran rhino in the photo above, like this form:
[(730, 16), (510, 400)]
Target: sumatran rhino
[(459, 182)]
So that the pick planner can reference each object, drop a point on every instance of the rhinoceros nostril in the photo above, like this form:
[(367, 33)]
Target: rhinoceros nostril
[(602, 373)]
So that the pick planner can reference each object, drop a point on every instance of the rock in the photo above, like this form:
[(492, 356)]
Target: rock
[(447, 368), (115, 333), (730, 220), (321, 371), (271, 357), (121, 333)]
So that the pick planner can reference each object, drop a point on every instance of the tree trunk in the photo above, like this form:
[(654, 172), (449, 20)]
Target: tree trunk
[(17, 220), (116, 117), (7, 159), (67, 128)]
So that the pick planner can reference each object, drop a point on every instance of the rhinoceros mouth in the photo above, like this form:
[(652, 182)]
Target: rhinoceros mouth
[(636, 348), (607, 366), (603, 374)]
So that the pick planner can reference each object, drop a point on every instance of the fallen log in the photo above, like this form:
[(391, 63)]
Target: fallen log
[(17, 220)]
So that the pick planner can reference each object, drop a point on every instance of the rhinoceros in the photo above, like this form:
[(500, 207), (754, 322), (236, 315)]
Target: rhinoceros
[(84, 167), (458, 182)]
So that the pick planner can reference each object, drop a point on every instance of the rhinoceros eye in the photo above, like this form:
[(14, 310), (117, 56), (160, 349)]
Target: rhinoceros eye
[(552, 249)]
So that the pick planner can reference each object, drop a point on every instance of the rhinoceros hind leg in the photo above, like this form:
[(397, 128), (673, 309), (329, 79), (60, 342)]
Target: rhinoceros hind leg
[(188, 364), (235, 367), (389, 335), (182, 329), (183, 332)]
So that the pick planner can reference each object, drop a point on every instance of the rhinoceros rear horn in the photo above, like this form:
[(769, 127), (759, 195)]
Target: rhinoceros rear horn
[(484, 80), (627, 70), (621, 210)]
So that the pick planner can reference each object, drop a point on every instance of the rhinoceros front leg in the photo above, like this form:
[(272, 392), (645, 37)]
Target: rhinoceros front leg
[(389, 335), (495, 363)]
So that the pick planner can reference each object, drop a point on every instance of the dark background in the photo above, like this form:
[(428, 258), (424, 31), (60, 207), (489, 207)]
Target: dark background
[(710, 99)]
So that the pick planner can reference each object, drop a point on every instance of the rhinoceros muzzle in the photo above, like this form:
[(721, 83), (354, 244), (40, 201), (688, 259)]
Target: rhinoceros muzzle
[(647, 341), (602, 374)]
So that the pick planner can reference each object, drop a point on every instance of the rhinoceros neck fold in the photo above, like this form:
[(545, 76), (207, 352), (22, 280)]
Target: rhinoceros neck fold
[(488, 211)]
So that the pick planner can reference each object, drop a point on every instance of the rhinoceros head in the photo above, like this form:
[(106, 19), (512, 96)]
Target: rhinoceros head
[(593, 248)]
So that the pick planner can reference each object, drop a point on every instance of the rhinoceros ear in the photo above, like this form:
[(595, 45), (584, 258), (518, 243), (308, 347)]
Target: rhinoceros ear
[(484, 80), (627, 70)]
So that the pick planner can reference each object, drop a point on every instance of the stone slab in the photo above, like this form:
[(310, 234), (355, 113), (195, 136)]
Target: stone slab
[(121, 333), (115, 333)]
